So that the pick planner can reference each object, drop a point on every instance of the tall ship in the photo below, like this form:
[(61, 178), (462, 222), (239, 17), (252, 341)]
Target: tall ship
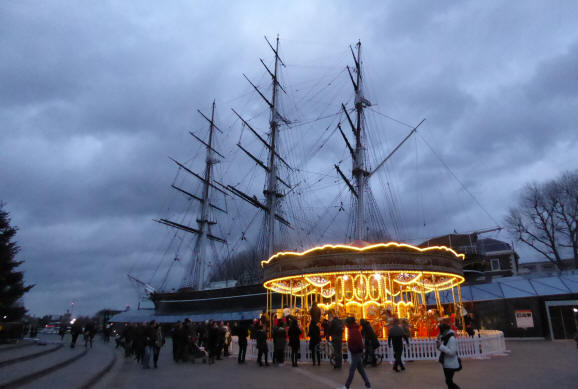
[(309, 225)]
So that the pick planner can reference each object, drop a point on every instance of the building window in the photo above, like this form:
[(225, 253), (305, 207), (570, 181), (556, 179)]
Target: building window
[(495, 264)]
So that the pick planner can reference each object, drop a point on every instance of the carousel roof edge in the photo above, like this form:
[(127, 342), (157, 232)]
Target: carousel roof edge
[(369, 247)]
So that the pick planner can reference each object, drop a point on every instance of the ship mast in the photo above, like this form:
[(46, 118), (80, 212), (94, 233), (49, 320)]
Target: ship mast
[(198, 268), (359, 172), (271, 191), (198, 273), (361, 175)]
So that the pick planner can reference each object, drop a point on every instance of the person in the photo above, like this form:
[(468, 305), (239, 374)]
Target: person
[(355, 344), (396, 338), (286, 313), (228, 340), (62, 331), (242, 332), (212, 340), (89, 333), (325, 328), (157, 342), (336, 332), (370, 341), (178, 335), (279, 342), (139, 342), (106, 331), (75, 330), (221, 340), (264, 319), (314, 340), (469, 322), (315, 313), (262, 348), (294, 342), (448, 346), (148, 341)]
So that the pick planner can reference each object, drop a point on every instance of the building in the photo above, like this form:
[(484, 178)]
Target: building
[(486, 258)]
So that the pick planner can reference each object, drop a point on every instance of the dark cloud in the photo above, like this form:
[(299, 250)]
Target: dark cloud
[(95, 97)]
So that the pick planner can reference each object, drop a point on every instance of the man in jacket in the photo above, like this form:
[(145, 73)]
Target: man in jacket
[(395, 338), (242, 332), (355, 344), (336, 332)]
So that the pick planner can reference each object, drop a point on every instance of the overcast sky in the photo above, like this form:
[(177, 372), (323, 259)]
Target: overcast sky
[(95, 95)]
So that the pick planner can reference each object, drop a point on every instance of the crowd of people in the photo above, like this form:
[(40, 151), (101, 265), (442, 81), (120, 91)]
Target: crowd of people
[(210, 341), (142, 341)]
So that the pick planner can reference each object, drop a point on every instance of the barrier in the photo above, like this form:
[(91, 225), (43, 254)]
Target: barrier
[(483, 345)]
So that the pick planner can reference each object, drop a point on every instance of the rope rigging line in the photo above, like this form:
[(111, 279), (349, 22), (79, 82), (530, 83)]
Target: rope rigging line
[(458, 180)]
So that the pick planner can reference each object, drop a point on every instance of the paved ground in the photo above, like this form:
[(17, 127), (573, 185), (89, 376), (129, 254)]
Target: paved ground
[(531, 364)]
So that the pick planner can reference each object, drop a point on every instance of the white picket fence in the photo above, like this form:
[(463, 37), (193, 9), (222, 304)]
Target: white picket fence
[(483, 345)]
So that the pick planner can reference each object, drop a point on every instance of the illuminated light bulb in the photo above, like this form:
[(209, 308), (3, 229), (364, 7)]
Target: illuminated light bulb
[(377, 276), (345, 277)]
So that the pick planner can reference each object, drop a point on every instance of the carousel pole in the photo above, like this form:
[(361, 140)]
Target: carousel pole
[(291, 297), (454, 300), (461, 306)]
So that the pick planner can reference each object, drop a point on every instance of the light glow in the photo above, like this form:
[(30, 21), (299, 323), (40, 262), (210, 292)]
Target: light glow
[(361, 249)]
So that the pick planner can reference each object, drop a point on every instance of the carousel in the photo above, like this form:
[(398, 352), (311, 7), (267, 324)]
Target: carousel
[(372, 281)]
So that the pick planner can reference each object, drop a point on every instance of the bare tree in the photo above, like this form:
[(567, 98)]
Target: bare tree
[(567, 211), (546, 218)]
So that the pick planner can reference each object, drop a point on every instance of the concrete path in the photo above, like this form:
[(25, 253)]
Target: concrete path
[(531, 364)]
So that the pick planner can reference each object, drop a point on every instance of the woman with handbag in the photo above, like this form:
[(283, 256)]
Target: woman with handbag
[(448, 346)]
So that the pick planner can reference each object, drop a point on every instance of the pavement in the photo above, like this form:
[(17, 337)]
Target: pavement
[(530, 364)]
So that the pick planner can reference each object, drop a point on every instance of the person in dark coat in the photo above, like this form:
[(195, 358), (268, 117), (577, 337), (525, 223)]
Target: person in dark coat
[(279, 342), (156, 342), (325, 328), (212, 341), (62, 331), (370, 341), (396, 337), (89, 333), (242, 332), (262, 348), (336, 332), (75, 330), (315, 313), (139, 341), (469, 322), (178, 341), (294, 342), (221, 339), (355, 344), (314, 340)]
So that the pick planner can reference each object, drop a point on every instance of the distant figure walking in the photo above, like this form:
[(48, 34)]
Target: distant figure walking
[(315, 313), (370, 341), (314, 341), (89, 333), (448, 346), (212, 341), (396, 337), (294, 342), (262, 348), (279, 342), (469, 322), (336, 331), (242, 332), (355, 344), (75, 331), (157, 342), (62, 331)]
